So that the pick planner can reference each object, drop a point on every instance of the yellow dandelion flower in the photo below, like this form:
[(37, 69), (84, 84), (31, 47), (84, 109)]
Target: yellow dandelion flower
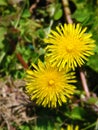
[(69, 45), (70, 127), (48, 86)]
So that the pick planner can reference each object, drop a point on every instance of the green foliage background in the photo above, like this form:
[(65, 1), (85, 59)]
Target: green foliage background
[(22, 30)]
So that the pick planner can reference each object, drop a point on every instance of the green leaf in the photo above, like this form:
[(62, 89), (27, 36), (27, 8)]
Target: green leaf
[(92, 100), (96, 128), (2, 32), (77, 113), (2, 55), (26, 13), (24, 127), (81, 15), (93, 62), (41, 33), (58, 14), (3, 2)]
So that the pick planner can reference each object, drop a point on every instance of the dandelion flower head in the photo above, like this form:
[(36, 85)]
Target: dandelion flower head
[(70, 127), (49, 86), (69, 46)]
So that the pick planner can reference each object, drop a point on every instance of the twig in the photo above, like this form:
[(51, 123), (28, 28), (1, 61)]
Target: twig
[(33, 6), (69, 20), (67, 11), (6, 121), (84, 82), (19, 57)]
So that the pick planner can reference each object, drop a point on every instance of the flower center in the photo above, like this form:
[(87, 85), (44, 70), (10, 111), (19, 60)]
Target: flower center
[(69, 48), (51, 82)]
